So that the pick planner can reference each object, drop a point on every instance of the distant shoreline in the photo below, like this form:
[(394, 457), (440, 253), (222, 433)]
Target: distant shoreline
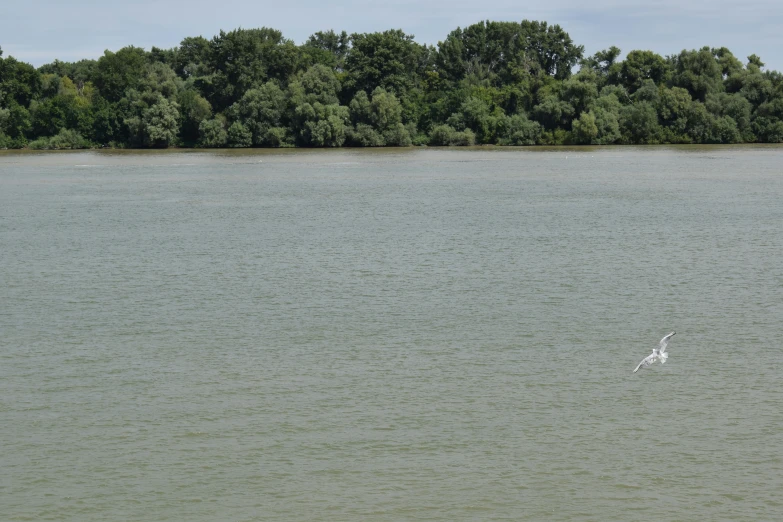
[(491, 83)]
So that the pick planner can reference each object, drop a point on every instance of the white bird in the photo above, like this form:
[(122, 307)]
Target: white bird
[(658, 353)]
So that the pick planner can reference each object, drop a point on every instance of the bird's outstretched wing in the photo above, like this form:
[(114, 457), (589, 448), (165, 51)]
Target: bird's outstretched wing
[(647, 361), (664, 342)]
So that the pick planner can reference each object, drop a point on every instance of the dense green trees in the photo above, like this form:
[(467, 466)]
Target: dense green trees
[(506, 83)]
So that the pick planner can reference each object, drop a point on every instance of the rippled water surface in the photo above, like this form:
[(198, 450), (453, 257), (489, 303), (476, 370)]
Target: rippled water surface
[(391, 335)]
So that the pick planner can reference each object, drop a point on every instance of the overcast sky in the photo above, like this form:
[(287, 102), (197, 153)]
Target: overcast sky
[(39, 31)]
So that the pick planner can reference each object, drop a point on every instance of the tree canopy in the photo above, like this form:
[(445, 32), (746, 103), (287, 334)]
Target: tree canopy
[(493, 82)]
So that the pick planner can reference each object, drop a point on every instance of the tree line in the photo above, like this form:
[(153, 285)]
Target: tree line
[(503, 83)]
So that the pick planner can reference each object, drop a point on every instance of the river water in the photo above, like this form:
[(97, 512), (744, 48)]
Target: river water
[(391, 335)]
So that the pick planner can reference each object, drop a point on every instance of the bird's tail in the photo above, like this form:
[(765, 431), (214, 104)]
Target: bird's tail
[(663, 357)]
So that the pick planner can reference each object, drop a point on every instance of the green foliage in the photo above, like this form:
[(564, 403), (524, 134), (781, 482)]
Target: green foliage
[(728, 63), (377, 121), (447, 135), (521, 131), (320, 85), (212, 133), (735, 107), (397, 135), (390, 59), (724, 130), (698, 72), (363, 135), (239, 135), (160, 78), (585, 130), (503, 83), (65, 139), (506, 52), (19, 82), (602, 62), (278, 137), (157, 125), (699, 123), (327, 48), (608, 125), (192, 57), (580, 91), (639, 123), (260, 110), (244, 58), (319, 125), (17, 123), (161, 123), (5, 140), (193, 111), (117, 72), (639, 66), (553, 113)]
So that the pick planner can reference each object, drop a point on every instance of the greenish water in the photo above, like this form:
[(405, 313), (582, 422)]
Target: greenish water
[(391, 335)]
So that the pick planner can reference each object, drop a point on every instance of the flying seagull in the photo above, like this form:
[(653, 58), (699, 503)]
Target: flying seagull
[(657, 353)]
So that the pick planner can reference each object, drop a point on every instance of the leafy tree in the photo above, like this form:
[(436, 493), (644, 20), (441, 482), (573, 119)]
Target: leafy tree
[(48, 118), (603, 62), (328, 49), (213, 133), (252, 87), (160, 78), (521, 131), (608, 126), (585, 131), (158, 124), (698, 72), (117, 72), (397, 135), (161, 123), (390, 59), (648, 92), (319, 125), (639, 123), (239, 135), (260, 110), (320, 85), (755, 61), (386, 111), (673, 108), (508, 50), (699, 123), (579, 91), (4, 118), (192, 58), (772, 109), (724, 130), (639, 66), (475, 114), (80, 72), (737, 108), (193, 110), (728, 63), (553, 113), (377, 121), (244, 58), (363, 135), (447, 135), (65, 139), (17, 123), (19, 82), (768, 131)]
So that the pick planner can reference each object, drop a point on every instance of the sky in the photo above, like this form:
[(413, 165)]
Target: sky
[(40, 31)]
